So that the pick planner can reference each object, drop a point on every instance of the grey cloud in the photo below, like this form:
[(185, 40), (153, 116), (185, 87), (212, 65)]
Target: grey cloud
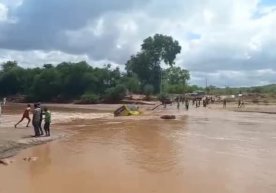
[(98, 45), (235, 78), (119, 37), (219, 55), (41, 23), (216, 36)]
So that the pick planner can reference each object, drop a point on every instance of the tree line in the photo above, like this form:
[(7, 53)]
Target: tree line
[(266, 89), (68, 81)]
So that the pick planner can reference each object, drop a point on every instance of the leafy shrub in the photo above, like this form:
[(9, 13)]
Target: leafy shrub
[(148, 90), (132, 84), (176, 89), (115, 94), (163, 97), (89, 98)]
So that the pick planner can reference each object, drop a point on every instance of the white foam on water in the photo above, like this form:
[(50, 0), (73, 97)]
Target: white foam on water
[(62, 117), (57, 117)]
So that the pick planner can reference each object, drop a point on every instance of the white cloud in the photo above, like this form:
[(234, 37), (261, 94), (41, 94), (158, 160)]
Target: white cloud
[(232, 39), (39, 58), (3, 13), (235, 78)]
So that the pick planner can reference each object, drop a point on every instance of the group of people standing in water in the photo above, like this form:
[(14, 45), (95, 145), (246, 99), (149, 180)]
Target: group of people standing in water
[(195, 101), (182, 100), (39, 115), (205, 102)]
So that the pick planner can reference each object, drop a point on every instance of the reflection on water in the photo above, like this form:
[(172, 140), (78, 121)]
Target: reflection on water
[(204, 153), (45, 160)]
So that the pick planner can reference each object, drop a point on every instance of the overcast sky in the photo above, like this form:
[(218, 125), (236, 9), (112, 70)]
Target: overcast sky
[(229, 42)]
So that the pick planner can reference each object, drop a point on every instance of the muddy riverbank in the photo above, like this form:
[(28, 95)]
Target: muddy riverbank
[(12, 140)]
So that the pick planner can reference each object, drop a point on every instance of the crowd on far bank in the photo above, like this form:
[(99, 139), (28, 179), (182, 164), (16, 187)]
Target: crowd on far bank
[(38, 115), (198, 101)]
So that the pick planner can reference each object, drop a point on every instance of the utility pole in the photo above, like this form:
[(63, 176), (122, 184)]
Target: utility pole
[(161, 81), (206, 85)]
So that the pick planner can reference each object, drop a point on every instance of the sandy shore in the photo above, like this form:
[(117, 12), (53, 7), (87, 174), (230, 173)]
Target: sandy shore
[(67, 116), (13, 139)]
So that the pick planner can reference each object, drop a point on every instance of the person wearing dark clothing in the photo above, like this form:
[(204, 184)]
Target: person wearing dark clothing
[(224, 103), (178, 102), (197, 103), (36, 120), (204, 103), (47, 121), (187, 104), (239, 103)]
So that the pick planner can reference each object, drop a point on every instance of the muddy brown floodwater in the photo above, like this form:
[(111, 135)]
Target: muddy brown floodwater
[(203, 151)]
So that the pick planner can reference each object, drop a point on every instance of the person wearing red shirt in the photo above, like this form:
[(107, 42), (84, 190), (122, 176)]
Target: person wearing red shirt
[(26, 115)]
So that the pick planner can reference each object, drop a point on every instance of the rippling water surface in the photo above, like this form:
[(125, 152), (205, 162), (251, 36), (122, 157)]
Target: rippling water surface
[(216, 152)]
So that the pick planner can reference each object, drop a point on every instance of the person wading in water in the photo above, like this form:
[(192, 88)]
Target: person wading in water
[(187, 104), (178, 102), (224, 103)]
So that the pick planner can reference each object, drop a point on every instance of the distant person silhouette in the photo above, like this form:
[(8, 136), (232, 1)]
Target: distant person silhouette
[(224, 103), (187, 104)]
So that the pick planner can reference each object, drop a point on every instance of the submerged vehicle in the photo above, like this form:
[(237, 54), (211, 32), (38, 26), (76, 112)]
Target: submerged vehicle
[(127, 110)]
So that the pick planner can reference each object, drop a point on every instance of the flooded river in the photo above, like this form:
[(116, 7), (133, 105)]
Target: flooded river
[(201, 152)]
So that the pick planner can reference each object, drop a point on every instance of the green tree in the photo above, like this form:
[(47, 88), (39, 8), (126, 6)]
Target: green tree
[(74, 78), (46, 85), (10, 82), (10, 78), (193, 88), (148, 90), (211, 89), (147, 63), (175, 80), (47, 66), (9, 65), (161, 48), (176, 75), (89, 98), (131, 83), (115, 94)]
